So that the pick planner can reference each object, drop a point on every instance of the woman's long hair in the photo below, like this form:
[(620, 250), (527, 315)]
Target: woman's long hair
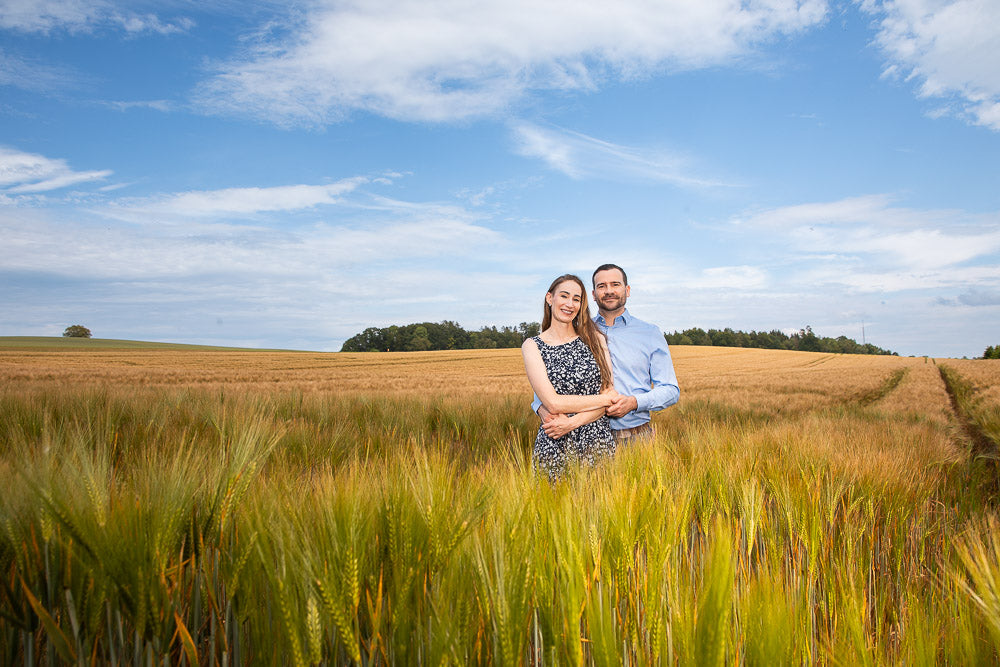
[(583, 325)]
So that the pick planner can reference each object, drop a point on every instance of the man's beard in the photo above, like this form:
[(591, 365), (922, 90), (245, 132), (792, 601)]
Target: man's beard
[(612, 303)]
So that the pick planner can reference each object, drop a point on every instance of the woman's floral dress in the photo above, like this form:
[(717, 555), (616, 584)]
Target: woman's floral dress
[(572, 369)]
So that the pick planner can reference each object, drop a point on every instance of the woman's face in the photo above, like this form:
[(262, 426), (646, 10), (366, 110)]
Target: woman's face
[(565, 301)]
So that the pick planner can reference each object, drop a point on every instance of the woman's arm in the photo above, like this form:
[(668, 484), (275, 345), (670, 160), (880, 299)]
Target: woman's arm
[(557, 426), (553, 402)]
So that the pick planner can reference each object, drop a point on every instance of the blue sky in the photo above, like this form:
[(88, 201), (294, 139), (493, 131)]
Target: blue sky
[(287, 174)]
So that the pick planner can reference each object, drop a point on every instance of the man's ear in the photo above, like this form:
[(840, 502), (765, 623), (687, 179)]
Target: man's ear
[(628, 291)]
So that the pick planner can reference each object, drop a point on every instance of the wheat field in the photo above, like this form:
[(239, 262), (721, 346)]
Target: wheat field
[(243, 507)]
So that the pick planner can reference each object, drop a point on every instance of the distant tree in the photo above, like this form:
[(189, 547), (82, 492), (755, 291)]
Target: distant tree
[(76, 331), (444, 335), (992, 352), (803, 339), (528, 330), (369, 340), (419, 341), (807, 340)]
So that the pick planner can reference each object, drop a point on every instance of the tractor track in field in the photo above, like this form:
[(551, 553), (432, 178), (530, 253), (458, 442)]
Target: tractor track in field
[(984, 450), (886, 388), (982, 444)]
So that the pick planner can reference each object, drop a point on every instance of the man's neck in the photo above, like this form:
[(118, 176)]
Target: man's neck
[(611, 315)]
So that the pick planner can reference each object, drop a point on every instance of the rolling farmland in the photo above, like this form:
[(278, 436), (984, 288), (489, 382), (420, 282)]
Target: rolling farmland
[(231, 506)]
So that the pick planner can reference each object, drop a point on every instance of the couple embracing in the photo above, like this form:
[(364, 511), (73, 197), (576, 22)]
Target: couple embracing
[(595, 380)]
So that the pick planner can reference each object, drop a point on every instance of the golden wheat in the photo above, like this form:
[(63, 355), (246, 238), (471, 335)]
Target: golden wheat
[(266, 507)]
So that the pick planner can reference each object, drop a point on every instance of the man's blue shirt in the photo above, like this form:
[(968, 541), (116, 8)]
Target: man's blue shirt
[(640, 359), (642, 367)]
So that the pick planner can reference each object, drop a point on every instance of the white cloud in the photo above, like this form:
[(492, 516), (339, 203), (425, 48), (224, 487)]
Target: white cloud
[(438, 60), (231, 202), (853, 276), (919, 248), (977, 298), (22, 172), (551, 147), (727, 277), (952, 48), (38, 243), (580, 156), (852, 209), (46, 16), (866, 243), (348, 227)]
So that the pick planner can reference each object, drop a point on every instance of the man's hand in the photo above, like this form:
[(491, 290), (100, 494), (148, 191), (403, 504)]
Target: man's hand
[(622, 406)]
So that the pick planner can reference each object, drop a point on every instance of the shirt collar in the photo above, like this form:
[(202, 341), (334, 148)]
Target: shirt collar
[(623, 318)]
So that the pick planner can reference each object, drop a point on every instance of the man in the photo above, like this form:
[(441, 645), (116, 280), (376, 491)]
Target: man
[(640, 358)]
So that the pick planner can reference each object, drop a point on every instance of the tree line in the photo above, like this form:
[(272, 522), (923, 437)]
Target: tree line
[(438, 336), (803, 339), (992, 352), (449, 335)]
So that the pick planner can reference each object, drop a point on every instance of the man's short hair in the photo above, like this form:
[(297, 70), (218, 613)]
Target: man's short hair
[(605, 267)]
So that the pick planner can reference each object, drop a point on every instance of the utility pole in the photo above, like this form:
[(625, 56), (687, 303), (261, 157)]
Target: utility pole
[(863, 341)]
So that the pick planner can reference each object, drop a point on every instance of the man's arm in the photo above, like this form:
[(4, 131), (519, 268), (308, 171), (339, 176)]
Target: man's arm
[(665, 391), (537, 407)]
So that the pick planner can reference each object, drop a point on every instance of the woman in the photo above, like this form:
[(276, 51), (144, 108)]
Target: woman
[(569, 368)]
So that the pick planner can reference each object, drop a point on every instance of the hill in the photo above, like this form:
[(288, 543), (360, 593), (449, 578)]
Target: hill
[(62, 343)]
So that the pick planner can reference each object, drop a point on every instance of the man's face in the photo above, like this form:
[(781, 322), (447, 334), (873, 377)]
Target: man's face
[(610, 290)]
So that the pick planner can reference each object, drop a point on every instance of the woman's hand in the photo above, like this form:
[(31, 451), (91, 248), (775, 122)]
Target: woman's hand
[(556, 426), (610, 395)]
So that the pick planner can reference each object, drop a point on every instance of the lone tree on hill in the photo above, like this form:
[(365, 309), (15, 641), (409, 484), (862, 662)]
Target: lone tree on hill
[(76, 331)]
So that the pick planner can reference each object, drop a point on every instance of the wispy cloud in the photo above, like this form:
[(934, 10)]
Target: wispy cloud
[(952, 48), (347, 227), (231, 202), (433, 60), (156, 105), (47, 16), (728, 278), (34, 76), (22, 172), (856, 277), (866, 243), (975, 298), (580, 156), (50, 243)]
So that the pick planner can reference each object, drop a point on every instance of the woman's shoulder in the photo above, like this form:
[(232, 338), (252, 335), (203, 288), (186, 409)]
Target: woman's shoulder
[(531, 343)]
